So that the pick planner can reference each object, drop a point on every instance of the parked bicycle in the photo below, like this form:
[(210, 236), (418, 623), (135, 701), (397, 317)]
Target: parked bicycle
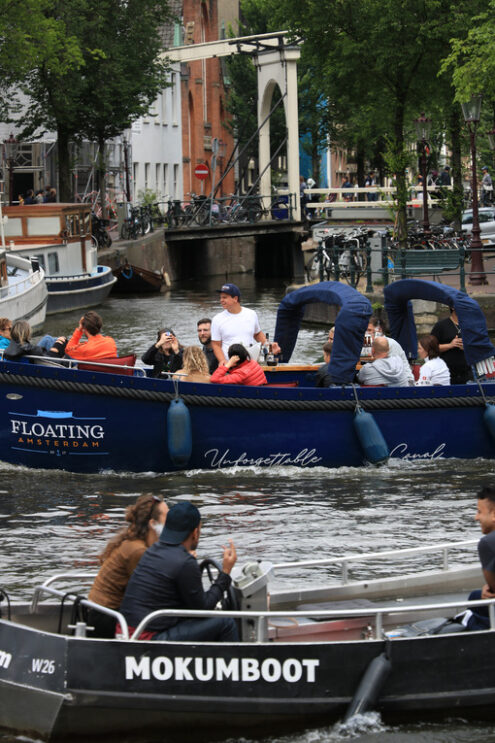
[(137, 223), (341, 255), (99, 231)]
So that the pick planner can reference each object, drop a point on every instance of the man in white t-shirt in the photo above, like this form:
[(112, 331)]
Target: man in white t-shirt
[(235, 324)]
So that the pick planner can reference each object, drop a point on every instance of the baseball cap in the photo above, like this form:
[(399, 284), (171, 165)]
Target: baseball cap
[(485, 167), (181, 520), (231, 289)]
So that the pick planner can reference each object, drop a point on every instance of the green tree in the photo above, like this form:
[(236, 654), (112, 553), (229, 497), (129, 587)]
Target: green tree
[(30, 36), (120, 75)]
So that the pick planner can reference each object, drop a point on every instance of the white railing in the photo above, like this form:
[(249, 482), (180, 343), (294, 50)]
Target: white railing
[(344, 561), (384, 196)]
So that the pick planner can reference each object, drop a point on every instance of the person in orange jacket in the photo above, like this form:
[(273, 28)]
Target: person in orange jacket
[(97, 346)]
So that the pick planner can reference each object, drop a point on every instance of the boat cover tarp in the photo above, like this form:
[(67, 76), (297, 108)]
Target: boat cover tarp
[(477, 344), (350, 326)]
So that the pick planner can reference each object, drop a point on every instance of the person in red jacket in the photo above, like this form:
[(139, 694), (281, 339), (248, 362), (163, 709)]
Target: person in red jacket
[(97, 346), (239, 369)]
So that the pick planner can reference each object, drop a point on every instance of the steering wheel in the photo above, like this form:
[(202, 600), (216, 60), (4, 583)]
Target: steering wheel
[(229, 600)]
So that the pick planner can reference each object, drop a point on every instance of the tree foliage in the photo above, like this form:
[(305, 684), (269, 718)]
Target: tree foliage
[(117, 76), (32, 35)]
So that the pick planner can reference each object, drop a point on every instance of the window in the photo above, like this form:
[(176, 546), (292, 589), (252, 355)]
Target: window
[(41, 261), (165, 182), (135, 170), (158, 185), (173, 91), (176, 178), (53, 265), (43, 225), (13, 227), (146, 176)]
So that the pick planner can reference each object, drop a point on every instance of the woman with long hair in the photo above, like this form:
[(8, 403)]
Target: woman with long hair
[(239, 369), (194, 366), (20, 346), (434, 370), (121, 555)]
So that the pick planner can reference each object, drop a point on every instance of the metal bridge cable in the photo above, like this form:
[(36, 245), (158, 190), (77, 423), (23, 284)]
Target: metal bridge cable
[(283, 142), (241, 153)]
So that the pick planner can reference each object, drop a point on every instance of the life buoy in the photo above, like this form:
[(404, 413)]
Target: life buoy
[(370, 437), (179, 432), (489, 418)]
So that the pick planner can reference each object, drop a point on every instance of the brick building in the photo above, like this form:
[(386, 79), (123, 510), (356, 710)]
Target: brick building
[(203, 92)]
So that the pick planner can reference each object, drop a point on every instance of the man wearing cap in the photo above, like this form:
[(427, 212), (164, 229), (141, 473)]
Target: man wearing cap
[(235, 324), (168, 577), (486, 187)]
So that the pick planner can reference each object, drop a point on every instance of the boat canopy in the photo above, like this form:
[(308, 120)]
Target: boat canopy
[(350, 325), (477, 344)]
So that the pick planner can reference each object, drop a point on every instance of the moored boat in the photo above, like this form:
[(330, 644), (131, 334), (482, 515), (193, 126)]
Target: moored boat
[(303, 654), (84, 420), (23, 293), (136, 280), (59, 236)]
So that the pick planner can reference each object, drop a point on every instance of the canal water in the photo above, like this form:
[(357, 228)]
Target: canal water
[(53, 521)]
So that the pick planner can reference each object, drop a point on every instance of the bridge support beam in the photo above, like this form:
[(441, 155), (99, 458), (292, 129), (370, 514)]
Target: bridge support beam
[(279, 68)]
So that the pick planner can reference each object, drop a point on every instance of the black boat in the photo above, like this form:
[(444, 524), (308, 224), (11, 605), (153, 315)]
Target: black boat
[(307, 655), (135, 280)]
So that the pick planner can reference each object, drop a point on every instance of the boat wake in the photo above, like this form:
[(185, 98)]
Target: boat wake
[(368, 723)]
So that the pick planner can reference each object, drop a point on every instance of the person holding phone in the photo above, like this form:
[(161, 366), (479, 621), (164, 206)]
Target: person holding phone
[(165, 355)]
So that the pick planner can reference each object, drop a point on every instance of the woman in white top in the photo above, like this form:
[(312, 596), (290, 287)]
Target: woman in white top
[(434, 370)]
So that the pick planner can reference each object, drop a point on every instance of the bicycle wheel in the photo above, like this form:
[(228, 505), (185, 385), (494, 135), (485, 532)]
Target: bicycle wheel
[(125, 231), (312, 269), (104, 239)]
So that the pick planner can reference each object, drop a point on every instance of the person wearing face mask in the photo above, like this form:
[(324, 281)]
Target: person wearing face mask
[(146, 519)]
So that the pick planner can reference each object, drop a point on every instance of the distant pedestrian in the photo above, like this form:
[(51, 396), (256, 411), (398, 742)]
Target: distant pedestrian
[(29, 198), (486, 187), (444, 178), (371, 182)]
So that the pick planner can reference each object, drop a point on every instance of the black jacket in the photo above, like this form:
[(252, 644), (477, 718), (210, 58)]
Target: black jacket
[(16, 351), (211, 359), (162, 362), (168, 577)]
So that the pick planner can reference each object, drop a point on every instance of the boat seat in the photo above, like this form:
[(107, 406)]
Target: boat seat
[(96, 365)]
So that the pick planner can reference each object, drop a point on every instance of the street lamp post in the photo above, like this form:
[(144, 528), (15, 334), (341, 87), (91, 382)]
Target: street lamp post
[(10, 148), (423, 125), (471, 112)]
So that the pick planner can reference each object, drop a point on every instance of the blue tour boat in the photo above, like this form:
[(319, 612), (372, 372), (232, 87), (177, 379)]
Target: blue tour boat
[(88, 420)]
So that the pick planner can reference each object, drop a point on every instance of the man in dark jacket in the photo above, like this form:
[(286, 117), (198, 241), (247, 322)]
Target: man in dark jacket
[(168, 577), (204, 335)]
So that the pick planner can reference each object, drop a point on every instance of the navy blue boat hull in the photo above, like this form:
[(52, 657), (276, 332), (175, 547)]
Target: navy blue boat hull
[(88, 422), (67, 293)]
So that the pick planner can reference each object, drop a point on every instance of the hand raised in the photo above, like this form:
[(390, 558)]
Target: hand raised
[(229, 557)]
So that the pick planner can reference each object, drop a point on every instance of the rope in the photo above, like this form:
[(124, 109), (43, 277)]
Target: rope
[(242, 402)]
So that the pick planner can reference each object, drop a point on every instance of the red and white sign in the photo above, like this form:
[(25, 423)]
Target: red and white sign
[(202, 171)]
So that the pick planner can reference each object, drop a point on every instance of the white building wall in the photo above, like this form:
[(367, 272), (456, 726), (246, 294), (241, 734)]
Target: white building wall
[(156, 146)]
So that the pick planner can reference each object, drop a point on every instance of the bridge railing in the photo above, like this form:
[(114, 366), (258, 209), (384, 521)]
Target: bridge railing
[(202, 211), (369, 196)]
